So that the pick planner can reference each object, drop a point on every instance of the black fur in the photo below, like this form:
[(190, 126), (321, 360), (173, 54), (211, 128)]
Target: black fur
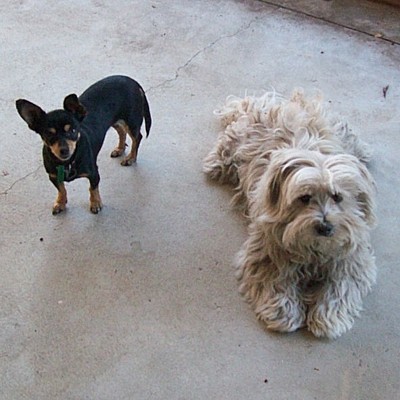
[(72, 137)]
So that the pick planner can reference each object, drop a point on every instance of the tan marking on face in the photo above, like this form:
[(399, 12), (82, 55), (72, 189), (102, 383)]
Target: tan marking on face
[(71, 145), (55, 149), (67, 127), (53, 130)]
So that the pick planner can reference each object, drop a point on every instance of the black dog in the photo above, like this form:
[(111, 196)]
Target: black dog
[(72, 137)]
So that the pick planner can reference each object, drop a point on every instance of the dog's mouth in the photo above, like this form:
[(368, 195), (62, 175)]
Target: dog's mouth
[(64, 150), (310, 240), (63, 157)]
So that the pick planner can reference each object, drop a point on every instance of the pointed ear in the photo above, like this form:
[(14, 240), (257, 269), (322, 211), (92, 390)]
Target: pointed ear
[(32, 114), (72, 104)]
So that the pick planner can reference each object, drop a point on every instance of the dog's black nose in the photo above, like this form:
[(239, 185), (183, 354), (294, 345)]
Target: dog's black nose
[(324, 229), (64, 152)]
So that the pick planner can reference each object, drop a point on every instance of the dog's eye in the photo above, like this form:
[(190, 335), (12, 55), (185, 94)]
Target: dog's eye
[(72, 134), (305, 199), (337, 198)]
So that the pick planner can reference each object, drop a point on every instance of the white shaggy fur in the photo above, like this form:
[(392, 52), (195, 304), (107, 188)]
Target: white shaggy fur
[(301, 179)]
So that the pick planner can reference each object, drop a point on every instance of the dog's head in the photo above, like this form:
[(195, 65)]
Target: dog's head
[(319, 204), (59, 129)]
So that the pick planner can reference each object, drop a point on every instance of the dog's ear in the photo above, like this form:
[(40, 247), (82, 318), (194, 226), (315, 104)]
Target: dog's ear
[(32, 114), (279, 175), (72, 104), (365, 203), (365, 198), (267, 199), (275, 188)]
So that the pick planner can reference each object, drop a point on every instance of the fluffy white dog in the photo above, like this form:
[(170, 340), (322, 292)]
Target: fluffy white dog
[(301, 179)]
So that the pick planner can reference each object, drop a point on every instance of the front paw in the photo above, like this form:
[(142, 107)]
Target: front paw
[(283, 315), (61, 200), (329, 321), (276, 302), (280, 311), (117, 152), (95, 200), (96, 206), (58, 208), (129, 160)]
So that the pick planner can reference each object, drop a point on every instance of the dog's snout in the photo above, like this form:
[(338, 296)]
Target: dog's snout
[(324, 229), (64, 152)]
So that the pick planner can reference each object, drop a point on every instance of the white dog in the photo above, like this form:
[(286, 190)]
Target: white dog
[(301, 179)]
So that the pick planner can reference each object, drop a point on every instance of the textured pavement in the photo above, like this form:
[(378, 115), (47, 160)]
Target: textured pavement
[(140, 301)]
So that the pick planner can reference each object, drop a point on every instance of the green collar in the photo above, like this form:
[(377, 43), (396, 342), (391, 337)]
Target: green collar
[(60, 173)]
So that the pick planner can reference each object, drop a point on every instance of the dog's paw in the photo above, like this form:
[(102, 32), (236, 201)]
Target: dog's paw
[(282, 319), (117, 152), (58, 208), (279, 311), (330, 322), (214, 172), (61, 201), (95, 201), (128, 161), (96, 206)]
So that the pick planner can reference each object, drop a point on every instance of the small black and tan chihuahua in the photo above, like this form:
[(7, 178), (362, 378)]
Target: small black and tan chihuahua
[(73, 137)]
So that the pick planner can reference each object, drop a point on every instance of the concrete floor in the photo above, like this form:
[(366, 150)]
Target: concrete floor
[(140, 301)]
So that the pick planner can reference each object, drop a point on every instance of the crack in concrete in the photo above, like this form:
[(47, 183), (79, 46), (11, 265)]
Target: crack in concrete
[(247, 26), (328, 21), (195, 55), (5, 192)]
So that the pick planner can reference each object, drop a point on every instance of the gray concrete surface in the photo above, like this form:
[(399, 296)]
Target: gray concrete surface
[(140, 301)]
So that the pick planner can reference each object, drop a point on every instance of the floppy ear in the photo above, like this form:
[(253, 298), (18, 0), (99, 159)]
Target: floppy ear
[(279, 174), (269, 197), (72, 104), (32, 114), (365, 198), (274, 187), (353, 175)]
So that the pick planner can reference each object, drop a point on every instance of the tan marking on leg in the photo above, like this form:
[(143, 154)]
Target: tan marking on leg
[(121, 128), (61, 200), (132, 156), (95, 201)]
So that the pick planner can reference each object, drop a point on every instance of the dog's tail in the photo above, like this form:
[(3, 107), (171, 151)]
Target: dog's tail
[(146, 114)]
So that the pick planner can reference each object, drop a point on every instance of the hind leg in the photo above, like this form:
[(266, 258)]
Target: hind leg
[(95, 200), (121, 128), (221, 164), (136, 137)]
